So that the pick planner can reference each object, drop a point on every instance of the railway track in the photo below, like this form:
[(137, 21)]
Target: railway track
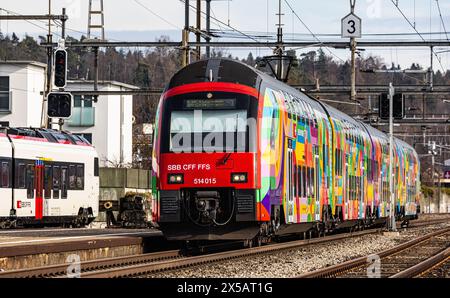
[(87, 266), (440, 269), (171, 260), (405, 260), (186, 262)]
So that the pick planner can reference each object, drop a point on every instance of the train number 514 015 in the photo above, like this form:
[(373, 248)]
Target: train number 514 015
[(205, 181)]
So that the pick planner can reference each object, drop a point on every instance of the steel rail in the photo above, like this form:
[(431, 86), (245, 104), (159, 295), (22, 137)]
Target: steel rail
[(61, 269), (338, 269), (425, 265), (216, 257), (95, 265)]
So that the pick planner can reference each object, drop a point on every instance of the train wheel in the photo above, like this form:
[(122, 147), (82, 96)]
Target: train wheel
[(258, 241)]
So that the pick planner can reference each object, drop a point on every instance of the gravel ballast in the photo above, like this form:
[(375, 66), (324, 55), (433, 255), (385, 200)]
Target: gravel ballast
[(290, 263)]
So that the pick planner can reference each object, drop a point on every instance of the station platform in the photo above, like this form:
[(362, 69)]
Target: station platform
[(25, 248)]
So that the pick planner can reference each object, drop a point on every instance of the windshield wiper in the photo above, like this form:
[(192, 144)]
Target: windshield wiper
[(225, 159)]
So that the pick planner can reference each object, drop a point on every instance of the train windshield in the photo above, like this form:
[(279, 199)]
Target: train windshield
[(198, 124)]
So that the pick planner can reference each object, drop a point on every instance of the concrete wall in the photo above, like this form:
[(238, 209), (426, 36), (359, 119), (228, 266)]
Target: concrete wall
[(432, 204), (26, 82)]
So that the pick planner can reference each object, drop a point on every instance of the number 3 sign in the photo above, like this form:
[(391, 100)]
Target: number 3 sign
[(351, 26)]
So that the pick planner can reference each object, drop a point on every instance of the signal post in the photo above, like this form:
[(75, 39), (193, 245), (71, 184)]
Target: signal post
[(59, 103)]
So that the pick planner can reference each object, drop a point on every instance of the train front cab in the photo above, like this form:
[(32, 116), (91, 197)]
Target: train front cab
[(207, 163)]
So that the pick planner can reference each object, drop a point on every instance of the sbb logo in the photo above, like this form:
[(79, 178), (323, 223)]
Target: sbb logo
[(19, 204), (174, 167)]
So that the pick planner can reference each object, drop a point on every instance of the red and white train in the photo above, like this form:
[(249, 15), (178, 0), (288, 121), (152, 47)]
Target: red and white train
[(47, 177)]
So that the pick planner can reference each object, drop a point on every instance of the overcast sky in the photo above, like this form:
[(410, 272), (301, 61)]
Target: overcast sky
[(127, 19)]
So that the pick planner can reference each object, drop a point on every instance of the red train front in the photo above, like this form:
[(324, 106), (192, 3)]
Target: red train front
[(205, 156)]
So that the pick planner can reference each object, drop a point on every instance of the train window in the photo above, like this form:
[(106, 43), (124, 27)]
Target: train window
[(56, 180), (303, 188), (62, 138), (80, 176), (64, 182), (228, 135), (96, 170), (294, 180), (336, 161), (324, 155), (5, 174), (30, 181), (20, 176), (72, 177), (313, 186), (47, 181), (306, 181)]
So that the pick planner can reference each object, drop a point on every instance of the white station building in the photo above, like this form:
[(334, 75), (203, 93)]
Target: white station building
[(107, 123)]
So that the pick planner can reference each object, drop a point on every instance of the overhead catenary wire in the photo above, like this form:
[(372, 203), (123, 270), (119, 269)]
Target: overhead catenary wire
[(157, 15), (231, 27), (307, 28), (28, 21), (442, 19), (420, 35)]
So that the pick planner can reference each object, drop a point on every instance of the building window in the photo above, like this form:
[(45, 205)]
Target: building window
[(5, 101), (82, 101), (87, 136)]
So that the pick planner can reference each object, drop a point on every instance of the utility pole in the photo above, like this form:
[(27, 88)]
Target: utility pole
[(197, 33), (439, 185), (91, 25), (63, 24), (392, 225), (208, 27), (433, 152), (49, 60), (431, 72), (279, 48), (353, 64), (351, 28), (185, 35)]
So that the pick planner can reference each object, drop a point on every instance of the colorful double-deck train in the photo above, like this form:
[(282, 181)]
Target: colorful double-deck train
[(240, 155)]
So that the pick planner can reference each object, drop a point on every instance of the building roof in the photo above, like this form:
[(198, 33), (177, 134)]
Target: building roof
[(24, 62), (103, 82)]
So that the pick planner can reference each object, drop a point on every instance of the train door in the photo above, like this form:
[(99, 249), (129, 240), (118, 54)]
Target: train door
[(316, 176), (39, 189), (346, 191), (362, 192), (290, 183)]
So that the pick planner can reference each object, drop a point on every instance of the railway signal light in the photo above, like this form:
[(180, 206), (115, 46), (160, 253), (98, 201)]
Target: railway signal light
[(59, 105), (60, 57), (398, 106)]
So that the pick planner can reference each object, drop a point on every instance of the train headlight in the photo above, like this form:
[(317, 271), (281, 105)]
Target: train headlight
[(238, 177), (175, 178)]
